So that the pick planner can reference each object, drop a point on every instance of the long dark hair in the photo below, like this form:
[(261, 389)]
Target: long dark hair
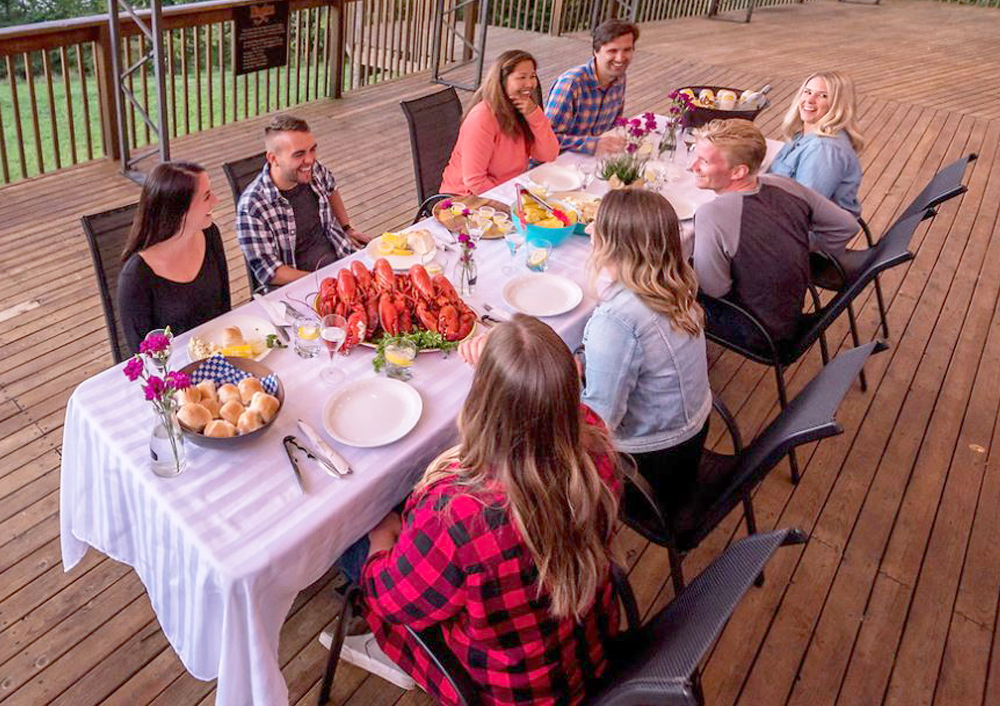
[(166, 197), (494, 93)]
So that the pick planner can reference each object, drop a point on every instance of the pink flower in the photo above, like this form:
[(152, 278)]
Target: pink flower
[(675, 110), (630, 148), (466, 212), (637, 131), (463, 238), (154, 388), (635, 122), (620, 122), (177, 380), (446, 203), (673, 95), (154, 343), (471, 245), (649, 117), (134, 368)]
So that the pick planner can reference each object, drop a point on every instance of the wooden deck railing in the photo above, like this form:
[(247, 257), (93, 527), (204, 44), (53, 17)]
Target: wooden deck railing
[(57, 91)]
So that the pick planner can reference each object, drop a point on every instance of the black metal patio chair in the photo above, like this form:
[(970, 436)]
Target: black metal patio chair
[(730, 325), (833, 273), (656, 663), (726, 480), (433, 121), (106, 235), (239, 174)]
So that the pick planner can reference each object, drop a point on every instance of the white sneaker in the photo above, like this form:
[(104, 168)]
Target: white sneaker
[(364, 651)]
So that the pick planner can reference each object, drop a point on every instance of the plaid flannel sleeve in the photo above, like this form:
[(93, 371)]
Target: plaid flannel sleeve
[(258, 243), (561, 108), (419, 582)]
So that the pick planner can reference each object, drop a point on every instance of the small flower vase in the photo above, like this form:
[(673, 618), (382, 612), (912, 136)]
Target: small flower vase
[(668, 143), (166, 444), (465, 275)]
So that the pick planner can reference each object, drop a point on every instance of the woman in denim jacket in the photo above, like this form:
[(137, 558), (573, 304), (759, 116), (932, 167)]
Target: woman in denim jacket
[(646, 366)]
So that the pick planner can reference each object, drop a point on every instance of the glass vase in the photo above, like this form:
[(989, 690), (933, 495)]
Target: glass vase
[(464, 275), (166, 444), (668, 143)]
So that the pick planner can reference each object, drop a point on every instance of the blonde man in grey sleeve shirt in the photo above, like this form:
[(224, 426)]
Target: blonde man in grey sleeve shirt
[(752, 242)]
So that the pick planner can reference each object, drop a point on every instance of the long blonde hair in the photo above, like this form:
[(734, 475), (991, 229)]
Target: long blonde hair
[(636, 232), (493, 92), (522, 427), (841, 116)]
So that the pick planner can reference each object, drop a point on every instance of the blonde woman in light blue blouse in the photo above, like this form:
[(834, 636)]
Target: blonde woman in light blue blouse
[(824, 141)]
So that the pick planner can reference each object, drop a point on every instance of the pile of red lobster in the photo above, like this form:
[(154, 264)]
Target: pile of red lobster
[(382, 300)]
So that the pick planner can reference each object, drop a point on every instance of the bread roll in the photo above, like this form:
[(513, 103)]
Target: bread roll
[(232, 336), (248, 386), (207, 388), (220, 428), (266, 404), (194, 416), (231, 411), (249, 421), (228, 392), (188, 395), (213, 406)]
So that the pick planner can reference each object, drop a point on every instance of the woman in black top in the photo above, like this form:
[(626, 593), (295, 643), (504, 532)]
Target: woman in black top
[(174, 271)]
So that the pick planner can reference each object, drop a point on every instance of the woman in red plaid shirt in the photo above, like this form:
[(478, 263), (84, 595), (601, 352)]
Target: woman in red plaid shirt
[(505, 542)]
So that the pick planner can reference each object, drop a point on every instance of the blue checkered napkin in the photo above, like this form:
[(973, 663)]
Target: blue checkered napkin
[(220, 370)]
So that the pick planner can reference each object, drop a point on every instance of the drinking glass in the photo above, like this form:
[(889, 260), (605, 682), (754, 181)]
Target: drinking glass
[(538, 255), (333, 332), (587, 170), (399, 358), (514, 239), (487, 212), (307, 340)]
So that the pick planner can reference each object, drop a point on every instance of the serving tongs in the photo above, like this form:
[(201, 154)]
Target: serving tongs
[(291, 442), (557, 212)]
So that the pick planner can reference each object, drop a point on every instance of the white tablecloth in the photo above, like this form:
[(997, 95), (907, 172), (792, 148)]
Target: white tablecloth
[(224, 548)]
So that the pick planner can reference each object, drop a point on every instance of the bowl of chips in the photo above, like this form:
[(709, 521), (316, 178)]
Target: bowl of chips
[(539, 223)]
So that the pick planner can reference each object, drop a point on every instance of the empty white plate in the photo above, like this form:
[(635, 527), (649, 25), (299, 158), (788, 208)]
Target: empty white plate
[(542, 294), (556, 177), (372, 412)]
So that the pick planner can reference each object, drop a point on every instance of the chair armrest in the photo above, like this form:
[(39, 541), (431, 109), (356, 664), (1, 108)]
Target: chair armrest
[(432, 641), (742, 313), (626, 596), (727, 418)]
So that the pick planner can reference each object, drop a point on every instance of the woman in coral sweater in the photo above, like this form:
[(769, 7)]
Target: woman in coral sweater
[(504, 128)]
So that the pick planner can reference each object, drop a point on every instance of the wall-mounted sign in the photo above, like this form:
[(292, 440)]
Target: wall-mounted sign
[(261, 36)]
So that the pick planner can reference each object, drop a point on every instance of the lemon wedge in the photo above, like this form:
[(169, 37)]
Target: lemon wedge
[(243, 350), (308, 332), (537, 258), (398, 358)]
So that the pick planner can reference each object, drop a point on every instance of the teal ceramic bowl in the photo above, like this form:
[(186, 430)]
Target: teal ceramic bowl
[(533, 233)]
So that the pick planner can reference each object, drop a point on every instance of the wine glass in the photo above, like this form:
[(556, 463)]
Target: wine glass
[(587, 170), (514, 239), (333, 332)]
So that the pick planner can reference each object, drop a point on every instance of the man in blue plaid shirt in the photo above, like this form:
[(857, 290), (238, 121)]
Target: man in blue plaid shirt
[(584, 102), (290, 220)]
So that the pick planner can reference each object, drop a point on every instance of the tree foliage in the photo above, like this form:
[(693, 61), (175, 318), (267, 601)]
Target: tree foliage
[(20, 12)]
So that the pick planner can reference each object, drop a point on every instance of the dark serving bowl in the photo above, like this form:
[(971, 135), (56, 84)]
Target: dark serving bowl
[(697, 116), (258, 370)]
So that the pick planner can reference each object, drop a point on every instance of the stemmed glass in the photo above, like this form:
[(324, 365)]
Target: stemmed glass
[(333, 332), (514, 239), (587, 170)]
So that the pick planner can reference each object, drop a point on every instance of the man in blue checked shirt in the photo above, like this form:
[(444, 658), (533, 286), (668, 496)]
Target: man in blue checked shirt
[(584, 102), (290, 220)]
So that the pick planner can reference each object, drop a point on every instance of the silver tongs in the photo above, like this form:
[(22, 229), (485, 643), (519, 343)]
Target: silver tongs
[(291, 442), (521, 191)]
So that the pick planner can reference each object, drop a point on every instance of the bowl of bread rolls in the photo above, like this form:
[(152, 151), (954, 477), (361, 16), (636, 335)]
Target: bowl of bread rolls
[(222, 416)]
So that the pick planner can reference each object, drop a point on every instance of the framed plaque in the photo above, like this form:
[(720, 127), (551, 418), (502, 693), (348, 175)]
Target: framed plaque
[(261, 36)]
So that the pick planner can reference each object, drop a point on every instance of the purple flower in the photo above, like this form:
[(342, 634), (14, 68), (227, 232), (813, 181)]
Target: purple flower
[(154, 343), (635, 122), (154, 388), (649, 117), (637, 131), (673, 95), (134, 368), (471, 245), (675, 110), (466, 212), (630, 148), (463, 238), (620, 122), (446, 203), (177, 380)]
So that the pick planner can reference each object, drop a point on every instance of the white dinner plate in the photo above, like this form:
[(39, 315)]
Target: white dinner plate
[(372, 412), (542, 294), (251, 326), (397, 262), (556, 177)]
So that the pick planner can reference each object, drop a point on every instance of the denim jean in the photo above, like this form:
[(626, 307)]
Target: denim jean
[(353, 559)]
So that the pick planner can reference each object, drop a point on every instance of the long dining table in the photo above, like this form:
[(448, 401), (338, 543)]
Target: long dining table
[(223, 548)]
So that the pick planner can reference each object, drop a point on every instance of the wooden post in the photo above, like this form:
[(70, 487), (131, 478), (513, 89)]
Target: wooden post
[(469, 16), (106, 93), (555, 19), (336, 29)]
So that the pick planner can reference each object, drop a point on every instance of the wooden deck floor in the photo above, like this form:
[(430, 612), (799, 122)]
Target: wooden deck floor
[(893, 600)]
